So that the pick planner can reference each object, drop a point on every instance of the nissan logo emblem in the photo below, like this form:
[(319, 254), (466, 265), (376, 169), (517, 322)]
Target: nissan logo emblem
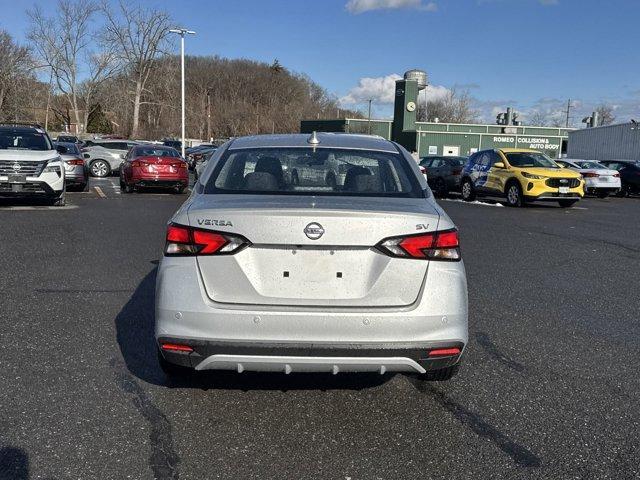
[(314, 231), (16, 167)]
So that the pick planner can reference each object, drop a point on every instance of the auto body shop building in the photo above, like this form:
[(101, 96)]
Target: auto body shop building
[(435, 138)]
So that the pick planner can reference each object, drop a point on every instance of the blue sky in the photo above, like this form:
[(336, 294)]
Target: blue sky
[(531, 54)]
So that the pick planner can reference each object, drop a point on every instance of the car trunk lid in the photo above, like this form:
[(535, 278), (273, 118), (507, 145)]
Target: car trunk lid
[(313, 251)]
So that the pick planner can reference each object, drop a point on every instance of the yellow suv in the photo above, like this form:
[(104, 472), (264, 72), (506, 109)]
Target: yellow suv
[(519, 176)]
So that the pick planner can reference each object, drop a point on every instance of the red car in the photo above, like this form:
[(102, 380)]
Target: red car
[(153, 166)]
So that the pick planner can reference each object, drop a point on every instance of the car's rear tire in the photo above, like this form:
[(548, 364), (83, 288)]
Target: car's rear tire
[(440, 188), (440, 375), (172, 370), (85, 187), (567, 203), (128, 188), (100, 169), (178, 190), (468, 193), (513, 194), (622, 193)]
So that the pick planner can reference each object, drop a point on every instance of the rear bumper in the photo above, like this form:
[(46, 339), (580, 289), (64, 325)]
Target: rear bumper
[(185, 315), (309, 357), (153, 181)]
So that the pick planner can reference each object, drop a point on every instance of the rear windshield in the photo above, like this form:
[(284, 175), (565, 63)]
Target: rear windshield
[(590, 165), (155, 152), (17, 140), (526, 159), (303, 171)]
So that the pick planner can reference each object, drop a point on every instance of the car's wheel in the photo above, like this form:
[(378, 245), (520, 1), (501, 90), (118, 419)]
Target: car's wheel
[(85, 187), (128, 188), (60, 200), (567, 203), (468, 193), (172, 370), (603, 194), (99, 168), (440, 188), (440, 375), (622, 192), (514, 195), (178, 190)]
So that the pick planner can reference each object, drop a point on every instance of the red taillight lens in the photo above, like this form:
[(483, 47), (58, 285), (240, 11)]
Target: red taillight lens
[(75, 161), (444, 245), (176, 347), (182, 240), (444, 352), (590, 175)]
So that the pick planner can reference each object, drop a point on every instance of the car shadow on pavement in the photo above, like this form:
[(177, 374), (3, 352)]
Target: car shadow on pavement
[(135, 336), (14, 464)]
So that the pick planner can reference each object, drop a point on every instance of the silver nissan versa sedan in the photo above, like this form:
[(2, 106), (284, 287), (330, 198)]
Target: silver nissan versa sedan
[(356, 271)]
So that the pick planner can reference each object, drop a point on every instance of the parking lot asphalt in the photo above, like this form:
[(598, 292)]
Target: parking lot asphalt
[(549, 388)]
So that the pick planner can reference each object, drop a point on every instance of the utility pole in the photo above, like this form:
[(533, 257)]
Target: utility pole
[(208, 115), (369, 118), (568, 110), (182, 32)]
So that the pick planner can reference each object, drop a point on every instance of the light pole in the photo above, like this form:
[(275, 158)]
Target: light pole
[(182, 32)]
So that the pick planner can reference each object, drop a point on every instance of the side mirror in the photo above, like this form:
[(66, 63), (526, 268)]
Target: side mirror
[(499, 165)]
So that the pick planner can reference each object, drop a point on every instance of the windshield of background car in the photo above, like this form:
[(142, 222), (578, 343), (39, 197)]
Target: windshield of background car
[(303, 171), (72, 148), (155, 152), (458, 160), (590, 165), (530, 159), (17, 140)]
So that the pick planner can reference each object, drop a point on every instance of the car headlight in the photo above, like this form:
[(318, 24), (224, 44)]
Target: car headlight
[(532, 176)]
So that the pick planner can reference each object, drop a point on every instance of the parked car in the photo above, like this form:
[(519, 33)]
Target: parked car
[(68, 139), (443, 173), (629, 175), (199, 156), (202, 163), (104, 157), (30, 167), (76, 173), (177, 144), (261, 274), (154, 166), (519, 176), (598, 179)]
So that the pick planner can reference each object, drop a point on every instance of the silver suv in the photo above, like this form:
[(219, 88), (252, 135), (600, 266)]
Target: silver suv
[(29, 165), (361, 272), (104, 157)]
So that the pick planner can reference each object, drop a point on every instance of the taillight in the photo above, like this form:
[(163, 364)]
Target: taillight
[(590, 174), (182, 240), (136, 163), (443, 245), (75, 161)]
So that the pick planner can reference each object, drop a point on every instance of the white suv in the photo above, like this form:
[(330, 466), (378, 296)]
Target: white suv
[(29, 164)]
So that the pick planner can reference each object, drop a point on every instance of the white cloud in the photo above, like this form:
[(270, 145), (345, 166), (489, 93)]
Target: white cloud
[(361, 6), (382, 91)]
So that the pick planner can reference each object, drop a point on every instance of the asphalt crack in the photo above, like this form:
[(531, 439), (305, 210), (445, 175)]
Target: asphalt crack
[(521, 455), (163, 460)]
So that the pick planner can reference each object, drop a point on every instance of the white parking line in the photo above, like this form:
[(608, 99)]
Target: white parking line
[(100, 192)]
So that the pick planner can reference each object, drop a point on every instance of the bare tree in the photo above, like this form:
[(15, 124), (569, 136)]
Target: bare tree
[(605, 114), (139, 35), (455, 107), (65, 44), (15, 64), (538, 119)]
